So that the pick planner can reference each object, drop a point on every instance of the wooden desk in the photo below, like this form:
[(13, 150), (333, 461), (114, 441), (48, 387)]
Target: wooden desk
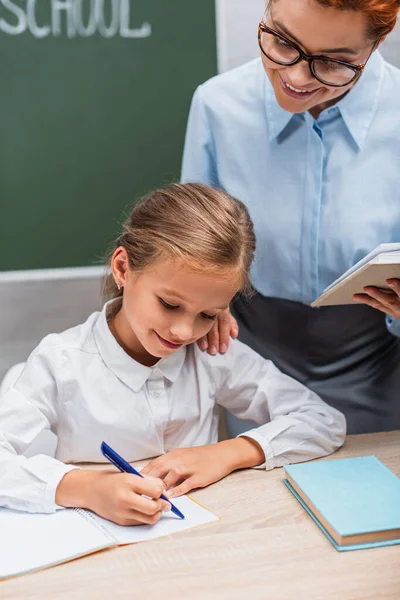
[(264, 546)]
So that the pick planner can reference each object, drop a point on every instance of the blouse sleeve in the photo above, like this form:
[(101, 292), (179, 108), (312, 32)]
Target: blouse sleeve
[(198, 164), (294, 423), (27, 408), (393, 326)]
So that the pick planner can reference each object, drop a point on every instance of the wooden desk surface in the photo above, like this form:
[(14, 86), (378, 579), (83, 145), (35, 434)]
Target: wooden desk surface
[(264, 546)]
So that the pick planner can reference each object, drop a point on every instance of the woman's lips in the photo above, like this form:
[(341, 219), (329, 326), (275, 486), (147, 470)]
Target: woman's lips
[(293, 94), (167, 343)]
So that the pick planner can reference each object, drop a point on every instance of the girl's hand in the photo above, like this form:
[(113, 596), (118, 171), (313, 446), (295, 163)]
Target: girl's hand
[(217, 339), (383, 300), (184, 469), (118, 497)]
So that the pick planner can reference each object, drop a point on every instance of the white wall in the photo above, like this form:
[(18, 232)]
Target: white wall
[(237, 22)]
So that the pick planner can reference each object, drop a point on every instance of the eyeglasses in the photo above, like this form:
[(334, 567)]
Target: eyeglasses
[(329, 71)]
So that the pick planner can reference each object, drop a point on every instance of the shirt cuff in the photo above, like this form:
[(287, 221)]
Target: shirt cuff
[(54, 477), (266, 448), (393, 325)]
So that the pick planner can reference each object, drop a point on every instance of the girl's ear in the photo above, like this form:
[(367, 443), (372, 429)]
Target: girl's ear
[(120, 266)]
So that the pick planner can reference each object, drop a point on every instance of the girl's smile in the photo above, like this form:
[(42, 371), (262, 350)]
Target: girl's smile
[(168, 305), (168, 344)]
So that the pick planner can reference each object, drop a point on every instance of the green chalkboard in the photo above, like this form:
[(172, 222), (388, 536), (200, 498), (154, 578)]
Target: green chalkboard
[(94, 102)]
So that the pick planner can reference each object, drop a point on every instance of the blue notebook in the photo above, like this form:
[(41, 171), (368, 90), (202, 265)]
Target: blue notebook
[(355, 501)]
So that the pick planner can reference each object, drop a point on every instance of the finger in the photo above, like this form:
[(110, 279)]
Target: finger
[(158, 470), (150, 467), (234, 328), (213, 339), (394, 285), (147, 506), (383, 300), (183, 488), (366, 299), (146, 469), (202, 343), (224, 323), (385, 297), (174, 477), (135, 517), (148, 486)]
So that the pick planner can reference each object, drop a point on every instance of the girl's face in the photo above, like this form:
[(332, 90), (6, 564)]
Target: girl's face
[(318, 30), (167, 306)]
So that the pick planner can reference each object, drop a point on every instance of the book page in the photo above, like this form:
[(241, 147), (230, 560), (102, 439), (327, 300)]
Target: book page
[(34, 541), (382, 248), (169, 523)]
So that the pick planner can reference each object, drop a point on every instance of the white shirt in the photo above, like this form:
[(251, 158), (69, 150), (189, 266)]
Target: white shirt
[(84, 387)]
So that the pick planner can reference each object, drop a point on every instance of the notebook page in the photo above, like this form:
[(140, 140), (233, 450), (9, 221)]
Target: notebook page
[(388, 258), (379, 250), (169, 523), (33, 541)]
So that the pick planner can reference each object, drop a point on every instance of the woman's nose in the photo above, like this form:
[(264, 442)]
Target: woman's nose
[(299, 74)]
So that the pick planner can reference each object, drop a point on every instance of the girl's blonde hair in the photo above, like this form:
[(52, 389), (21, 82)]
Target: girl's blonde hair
[(207, 228)]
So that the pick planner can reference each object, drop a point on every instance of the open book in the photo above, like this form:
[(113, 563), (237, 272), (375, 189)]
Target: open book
[(380, 264), (29, 542)]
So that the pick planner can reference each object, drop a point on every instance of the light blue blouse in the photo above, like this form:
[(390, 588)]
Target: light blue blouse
[(322, 193)]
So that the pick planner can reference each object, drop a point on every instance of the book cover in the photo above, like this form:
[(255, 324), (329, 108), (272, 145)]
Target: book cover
[(355, 501)]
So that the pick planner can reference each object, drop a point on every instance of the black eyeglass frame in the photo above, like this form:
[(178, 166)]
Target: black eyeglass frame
[(309, 58)]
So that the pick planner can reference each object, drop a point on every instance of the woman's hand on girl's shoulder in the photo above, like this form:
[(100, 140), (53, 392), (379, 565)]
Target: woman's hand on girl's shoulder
[(387, 301), (118, 497), (217, 340)]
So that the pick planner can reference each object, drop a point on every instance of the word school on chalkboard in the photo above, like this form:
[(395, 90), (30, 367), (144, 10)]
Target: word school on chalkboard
[(84, 18)]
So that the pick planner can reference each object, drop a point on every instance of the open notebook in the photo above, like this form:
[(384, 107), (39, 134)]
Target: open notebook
[(30, 542)]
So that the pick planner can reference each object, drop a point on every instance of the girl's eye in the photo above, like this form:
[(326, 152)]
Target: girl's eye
[(211, 317), (166, 305)]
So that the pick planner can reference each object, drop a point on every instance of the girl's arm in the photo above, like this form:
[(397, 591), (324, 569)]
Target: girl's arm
[(26, 409), (295, 424), (42, 483)]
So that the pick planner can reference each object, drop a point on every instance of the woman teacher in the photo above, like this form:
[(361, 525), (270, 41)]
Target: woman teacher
[(308, 138)]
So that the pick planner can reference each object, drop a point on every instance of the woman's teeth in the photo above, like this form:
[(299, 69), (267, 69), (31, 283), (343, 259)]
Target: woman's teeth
[(296, 90)]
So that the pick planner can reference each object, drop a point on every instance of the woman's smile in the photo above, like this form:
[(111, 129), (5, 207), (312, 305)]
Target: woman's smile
[(294, 92)]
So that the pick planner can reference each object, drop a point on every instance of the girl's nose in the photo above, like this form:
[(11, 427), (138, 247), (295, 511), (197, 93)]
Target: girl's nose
[(181, 332)]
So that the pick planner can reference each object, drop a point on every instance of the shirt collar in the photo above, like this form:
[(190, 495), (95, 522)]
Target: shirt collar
[(134, 374), (357, 108)]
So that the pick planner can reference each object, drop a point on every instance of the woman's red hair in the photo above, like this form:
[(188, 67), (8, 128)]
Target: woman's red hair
[(381, 14)]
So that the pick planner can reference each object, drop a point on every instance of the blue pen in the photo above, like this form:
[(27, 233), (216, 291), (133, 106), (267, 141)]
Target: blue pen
[(125, 467)]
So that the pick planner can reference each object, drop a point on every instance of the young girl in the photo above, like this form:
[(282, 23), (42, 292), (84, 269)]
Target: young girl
[(133, 376)]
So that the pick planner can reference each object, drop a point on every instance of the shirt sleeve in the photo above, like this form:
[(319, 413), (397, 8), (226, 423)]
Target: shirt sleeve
[(27, 408), (198, 165), (295, 424), (393, 326)]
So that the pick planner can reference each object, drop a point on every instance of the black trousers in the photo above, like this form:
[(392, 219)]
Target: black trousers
[(343, 353)]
